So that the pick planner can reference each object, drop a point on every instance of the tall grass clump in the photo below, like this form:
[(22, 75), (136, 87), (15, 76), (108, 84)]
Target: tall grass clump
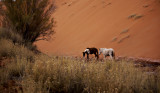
[(10, 35), (72, 76), (14, 69), (12, 44), (13, 62), (12, 73), (8, 50)]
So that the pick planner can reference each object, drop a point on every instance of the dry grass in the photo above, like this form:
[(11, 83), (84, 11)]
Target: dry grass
[(8, 49), (135, 16), (132, 16), (67, 75), (55, 75), (123, 38), (138, 17), (114, 39), (124, 31), (10, 35)]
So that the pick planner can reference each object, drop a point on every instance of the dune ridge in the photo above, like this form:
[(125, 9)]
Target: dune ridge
[(131, 27)]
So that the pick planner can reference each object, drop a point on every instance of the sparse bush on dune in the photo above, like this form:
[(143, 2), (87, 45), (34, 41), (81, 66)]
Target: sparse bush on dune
[(10, 35), (8, 49), (10, 39), (29, 18), (14, 58), (12, 73), (135, 16), (26, 21)]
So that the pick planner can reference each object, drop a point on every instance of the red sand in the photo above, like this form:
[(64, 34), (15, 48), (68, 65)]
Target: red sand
[(102, 23)]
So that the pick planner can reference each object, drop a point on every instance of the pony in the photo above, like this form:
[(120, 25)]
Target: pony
[(91, 51), (107, 52)]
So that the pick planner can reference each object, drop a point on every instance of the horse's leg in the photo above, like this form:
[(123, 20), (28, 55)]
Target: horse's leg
[(104, 57), (110, 56), (88, 56), (83, 55), (97, 55), (113, 55)]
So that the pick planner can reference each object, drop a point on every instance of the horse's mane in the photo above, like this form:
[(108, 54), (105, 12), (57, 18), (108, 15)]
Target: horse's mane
[(90, 47)]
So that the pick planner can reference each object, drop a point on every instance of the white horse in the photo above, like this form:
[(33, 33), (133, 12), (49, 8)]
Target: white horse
[(107, 52)]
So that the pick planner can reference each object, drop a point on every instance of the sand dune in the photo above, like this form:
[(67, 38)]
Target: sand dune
[(131, 27)]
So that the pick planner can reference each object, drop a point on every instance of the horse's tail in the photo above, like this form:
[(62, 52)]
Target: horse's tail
[(113, 54)]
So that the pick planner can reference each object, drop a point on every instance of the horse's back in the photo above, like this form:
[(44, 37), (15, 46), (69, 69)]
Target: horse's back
[(93, 50), (111, 48), (107, 50)]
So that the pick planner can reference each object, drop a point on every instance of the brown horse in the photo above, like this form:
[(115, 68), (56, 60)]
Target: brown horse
[(91, 51)]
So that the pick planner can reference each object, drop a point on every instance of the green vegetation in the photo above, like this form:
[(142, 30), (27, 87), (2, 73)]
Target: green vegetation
[(10, 35), (10, 45), (29, 18)]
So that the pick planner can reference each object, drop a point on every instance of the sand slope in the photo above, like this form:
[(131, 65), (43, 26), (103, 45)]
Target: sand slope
[(131, 27)]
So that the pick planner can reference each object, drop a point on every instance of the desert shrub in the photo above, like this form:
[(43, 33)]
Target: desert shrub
[(114, 39), (135, 16), (15, 58), (4, 76), (30, 18), (123, 38), (8, 49), (138, 16), (16, 39), (132, 16), (14, 69), (124, 31), (10, 35), (17, 67), (11, 75)]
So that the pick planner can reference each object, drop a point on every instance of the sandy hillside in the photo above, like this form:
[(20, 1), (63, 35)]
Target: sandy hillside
[(131, 27)]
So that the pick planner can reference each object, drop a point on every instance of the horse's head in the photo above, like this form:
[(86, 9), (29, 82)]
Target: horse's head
[(86, 52)]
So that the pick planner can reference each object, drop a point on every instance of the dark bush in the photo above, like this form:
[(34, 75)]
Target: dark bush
[(30, 18), (10, 35)]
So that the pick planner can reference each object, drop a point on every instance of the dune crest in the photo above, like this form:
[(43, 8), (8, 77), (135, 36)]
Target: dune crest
[(131, 27)]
